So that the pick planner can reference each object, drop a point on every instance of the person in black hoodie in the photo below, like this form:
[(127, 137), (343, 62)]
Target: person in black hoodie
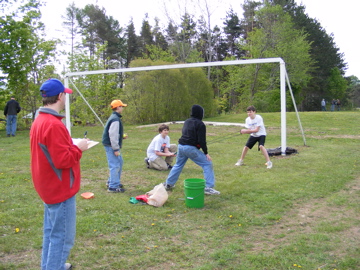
[(192, 140)]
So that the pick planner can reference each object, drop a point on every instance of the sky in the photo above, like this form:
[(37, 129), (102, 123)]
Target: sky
[(340, 19)]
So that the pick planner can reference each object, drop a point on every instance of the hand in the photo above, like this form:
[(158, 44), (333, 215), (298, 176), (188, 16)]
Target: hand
[(243, 131), (166, 154), (83, 145), (208, 157), (117, 153)]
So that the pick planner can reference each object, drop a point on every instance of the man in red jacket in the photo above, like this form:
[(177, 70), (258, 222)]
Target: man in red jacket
[(55, 169)]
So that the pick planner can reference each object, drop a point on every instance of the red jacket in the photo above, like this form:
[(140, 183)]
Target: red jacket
[(55, 160)]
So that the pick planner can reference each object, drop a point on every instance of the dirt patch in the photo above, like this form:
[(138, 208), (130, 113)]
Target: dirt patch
[(21, 258), (306, 219), (335, 136)]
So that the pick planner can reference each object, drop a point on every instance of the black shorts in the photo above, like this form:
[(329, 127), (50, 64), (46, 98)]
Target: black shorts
[(253, 140)]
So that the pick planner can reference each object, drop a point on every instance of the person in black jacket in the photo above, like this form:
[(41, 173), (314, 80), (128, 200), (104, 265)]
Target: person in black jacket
[(192, 140), (112, 140), (11, 110)]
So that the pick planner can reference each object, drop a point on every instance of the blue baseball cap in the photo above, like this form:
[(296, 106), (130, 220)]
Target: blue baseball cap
[(53, 87)]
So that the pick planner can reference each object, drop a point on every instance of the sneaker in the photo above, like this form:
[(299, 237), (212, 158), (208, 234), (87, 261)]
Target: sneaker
[(169, 166), (239, 163), (168, 187), (147, 162), (68, 266), (107, 185), (116, 190), (269, 165), (211, 191)]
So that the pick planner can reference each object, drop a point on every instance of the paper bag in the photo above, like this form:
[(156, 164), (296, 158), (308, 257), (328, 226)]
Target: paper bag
[(158, 196)]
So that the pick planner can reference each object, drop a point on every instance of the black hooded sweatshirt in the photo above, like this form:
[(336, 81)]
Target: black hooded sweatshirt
[(194, 130)]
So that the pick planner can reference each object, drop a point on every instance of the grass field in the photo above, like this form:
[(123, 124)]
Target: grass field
[(303, 213)]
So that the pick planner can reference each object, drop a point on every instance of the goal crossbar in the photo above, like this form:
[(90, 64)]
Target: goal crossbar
[(193, 65)]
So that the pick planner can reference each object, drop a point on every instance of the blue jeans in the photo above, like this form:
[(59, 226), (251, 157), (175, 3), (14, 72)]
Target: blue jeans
[(59, 234), (115, 166), (11, 124), (184, 153)]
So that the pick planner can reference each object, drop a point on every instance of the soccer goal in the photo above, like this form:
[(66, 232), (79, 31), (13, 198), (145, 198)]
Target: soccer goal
[(283, 77)]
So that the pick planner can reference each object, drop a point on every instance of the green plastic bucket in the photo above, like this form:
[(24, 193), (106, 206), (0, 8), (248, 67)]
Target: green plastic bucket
[(194, 192)]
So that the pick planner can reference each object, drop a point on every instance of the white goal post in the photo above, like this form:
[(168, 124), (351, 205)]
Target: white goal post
[(192, 65)]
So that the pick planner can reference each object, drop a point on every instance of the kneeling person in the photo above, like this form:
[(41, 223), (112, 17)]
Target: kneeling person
[(160, 146)]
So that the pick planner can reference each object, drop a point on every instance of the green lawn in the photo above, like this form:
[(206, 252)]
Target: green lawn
[(303, 213)]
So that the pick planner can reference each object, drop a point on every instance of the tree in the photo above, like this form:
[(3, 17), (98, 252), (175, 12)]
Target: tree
[(71, 23), (353, 91), (146, 36), (181, 39), (199, 89), (171, 32), (116, 44), (159, 39), (232, 31), (132, 44), (249, 23), (324, 54), (258, 84), (157, 53), (90, 18), (152, 95), (25, 55), (98, 90), (337, 85), (98, 28), (206, 32)]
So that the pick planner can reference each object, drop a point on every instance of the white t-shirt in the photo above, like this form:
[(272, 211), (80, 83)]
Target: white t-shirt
[(256, 122), (157, 144)]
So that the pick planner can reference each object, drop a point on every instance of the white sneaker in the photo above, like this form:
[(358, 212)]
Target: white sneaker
[(239, 163), (269, 165), (211, 191)]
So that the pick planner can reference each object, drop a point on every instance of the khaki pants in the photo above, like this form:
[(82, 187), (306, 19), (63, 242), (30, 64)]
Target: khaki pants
[(162, 164)]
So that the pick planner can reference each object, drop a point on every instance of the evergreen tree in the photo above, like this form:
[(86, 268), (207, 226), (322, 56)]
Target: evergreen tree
[(116, 51), (132, 44), (146, 36), (324, 53), (171, 33), (89, 18), (159, 39), (249, 23), (70, 23), (97, 28), (232, 31), (184, 40)]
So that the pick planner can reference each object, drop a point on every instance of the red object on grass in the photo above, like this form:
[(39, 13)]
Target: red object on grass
[(87, 195), (143, 198)]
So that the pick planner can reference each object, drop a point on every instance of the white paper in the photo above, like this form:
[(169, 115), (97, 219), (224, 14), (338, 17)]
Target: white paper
[(90, 143)]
